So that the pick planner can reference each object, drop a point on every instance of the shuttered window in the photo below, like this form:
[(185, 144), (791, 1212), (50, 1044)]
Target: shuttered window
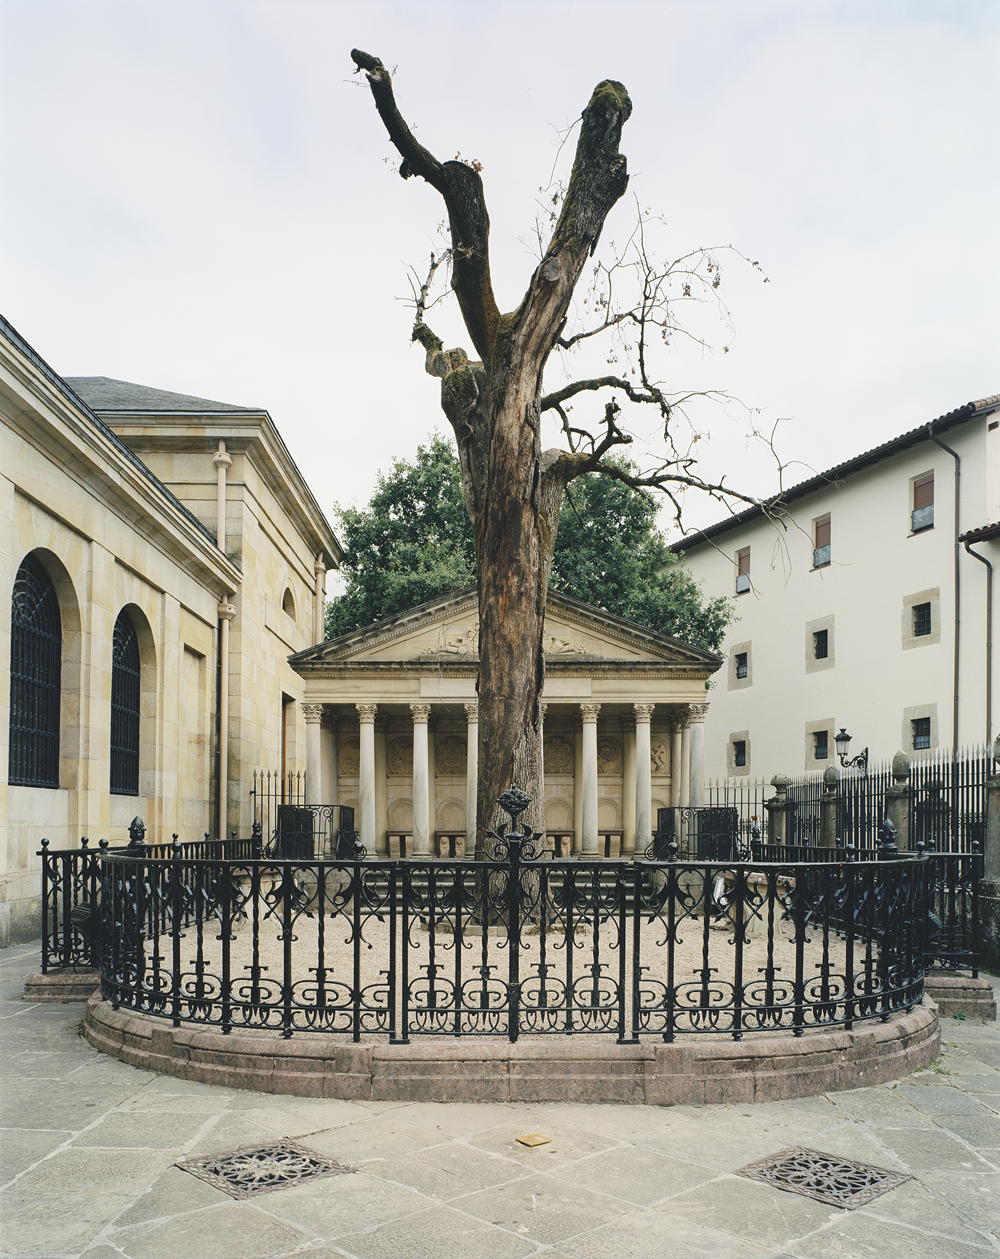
[(821, 542), (923, 503), (35, 661)]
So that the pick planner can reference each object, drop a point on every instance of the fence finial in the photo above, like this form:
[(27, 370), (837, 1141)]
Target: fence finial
[(137, 834)]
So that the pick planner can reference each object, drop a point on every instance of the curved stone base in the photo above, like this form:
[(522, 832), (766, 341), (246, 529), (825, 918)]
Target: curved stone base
[(581, 1069)]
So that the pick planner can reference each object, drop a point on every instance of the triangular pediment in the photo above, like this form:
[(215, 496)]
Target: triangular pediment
[(445, 631)]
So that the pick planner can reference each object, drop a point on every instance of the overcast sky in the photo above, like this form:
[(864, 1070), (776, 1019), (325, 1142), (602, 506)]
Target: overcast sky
[(198, 196)]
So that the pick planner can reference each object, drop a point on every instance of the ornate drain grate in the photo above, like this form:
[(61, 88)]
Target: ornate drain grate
[(261, 1168), (835, 1181)]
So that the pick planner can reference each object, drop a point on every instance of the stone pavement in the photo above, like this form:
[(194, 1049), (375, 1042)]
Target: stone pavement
[(89, 1146)]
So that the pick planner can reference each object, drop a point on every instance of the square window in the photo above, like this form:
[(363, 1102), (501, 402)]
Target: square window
[(743, 571), (921, 733), (741, 664), (821, 745), (921, 619), (740, 752), (821, 542), (922, 516), (821, 644)]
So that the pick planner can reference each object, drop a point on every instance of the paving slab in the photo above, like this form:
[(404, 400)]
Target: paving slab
[(437, 1234), (543, 1208), (89, 1165)]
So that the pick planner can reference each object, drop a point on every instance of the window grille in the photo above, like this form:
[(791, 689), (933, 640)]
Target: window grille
[(922, 516), (35, 659), (821, 744), (739, 752), (921, 733), (821, 644), (125, 709), (921, 619), (821, 542), (743, 571), (742, 668)]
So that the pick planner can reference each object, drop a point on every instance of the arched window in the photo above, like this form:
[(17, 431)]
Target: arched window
[(288, 603), (35, 656), (125, 708)]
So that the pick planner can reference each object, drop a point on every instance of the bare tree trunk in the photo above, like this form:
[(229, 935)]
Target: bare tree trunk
[(513, 490)]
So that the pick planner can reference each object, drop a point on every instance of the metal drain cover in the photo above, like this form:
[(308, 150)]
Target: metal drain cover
[(836, 1181), (260, 1168)]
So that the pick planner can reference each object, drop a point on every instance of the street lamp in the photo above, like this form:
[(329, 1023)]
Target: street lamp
[(843, 742)]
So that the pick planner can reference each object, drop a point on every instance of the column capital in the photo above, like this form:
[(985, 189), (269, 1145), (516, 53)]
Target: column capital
[(471, 712), (543, 708), (643, 712), (589, 713), (313, 713), (366, 713), (421, 713), (697, 712)]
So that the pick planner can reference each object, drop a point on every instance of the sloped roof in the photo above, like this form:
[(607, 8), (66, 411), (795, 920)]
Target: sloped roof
[(824, 479), (345, 650), (62, 386), (104, 393)]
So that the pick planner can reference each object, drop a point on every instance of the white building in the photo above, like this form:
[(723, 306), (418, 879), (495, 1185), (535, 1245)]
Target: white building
[(863, 601), (162, 557)]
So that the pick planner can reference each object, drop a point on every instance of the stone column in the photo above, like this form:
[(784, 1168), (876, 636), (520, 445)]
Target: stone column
[(366, 774), (542, 709), (643, 777), (628, 786), (696, 770), (828, 807), (897, 800), (588, 847), (676, 760), (330, 752), (313, 714), (471, 776), (381, 783), (431, 784), (685, 759), (577, 787), (776, 809), (421, 794)]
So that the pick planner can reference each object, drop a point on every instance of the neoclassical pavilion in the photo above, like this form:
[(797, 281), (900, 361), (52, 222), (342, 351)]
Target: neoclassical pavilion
[(392, 726)]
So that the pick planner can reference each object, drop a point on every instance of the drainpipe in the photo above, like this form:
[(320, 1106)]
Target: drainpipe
[(958, 482), (222, 463), (989, 640), (226, 613), (318, 600)]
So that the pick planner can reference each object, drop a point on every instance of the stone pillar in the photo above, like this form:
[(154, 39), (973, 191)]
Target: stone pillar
[(589, 847), (431, 784), (643, 777), (992, 863), (366, 774), (313, 714), (330, 751), (471, 776), (542, 709), (421, 793), (897, 800), (577, 787), (696, 770), (776, 809), (685, 759), (381, 783), (828, 807), (676, 760), (628, 787)]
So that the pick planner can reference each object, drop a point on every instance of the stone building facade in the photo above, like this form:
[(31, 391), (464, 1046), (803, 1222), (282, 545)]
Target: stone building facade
[(112, 500), (392, 726)]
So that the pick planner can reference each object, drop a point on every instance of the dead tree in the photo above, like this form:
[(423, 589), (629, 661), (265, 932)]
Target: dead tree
[(494, 403)]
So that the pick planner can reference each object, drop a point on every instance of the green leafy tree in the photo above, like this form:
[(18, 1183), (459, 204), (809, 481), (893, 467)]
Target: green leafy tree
[(413, 542)]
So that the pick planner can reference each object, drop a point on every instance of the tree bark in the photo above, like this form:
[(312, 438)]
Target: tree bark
[(513, 490)]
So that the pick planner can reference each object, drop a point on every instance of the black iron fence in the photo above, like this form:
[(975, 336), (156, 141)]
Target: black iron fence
[(511, 945)]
